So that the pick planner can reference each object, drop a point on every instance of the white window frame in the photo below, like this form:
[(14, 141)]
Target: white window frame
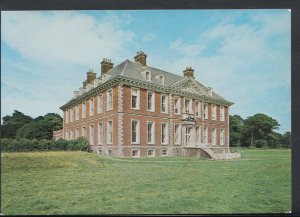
[(77, 133), (177, 105), (108, 132), (152, 101), (205, 112), (100, 133), (213, 136), (92, 134), (222, 113), (137, 131), (205, 135), (67, 135), (109, 99), (188, 136), (213, 112), (165, 103), (152, 132), (177, 135), (91, 102), (77, 112), (190, 102), (137, 98), (71, 115), (138, 152), (164, 155), (222, 136), (198, 109), (71, 135), (161, 79), (153, 153), (84, 109), (198, 135), (161, 133), (83, 132), (100, 104)]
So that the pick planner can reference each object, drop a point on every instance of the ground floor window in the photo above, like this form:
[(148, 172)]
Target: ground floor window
[(164, 152), (150, 153), (135, 153)]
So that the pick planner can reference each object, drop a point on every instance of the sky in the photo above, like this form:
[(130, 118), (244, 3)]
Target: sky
[(244, 55)]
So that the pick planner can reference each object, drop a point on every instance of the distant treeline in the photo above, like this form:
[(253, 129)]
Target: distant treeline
[(254, 131), (257, 131)]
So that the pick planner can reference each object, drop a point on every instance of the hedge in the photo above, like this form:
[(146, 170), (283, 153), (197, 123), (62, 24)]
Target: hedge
[(25, 145)]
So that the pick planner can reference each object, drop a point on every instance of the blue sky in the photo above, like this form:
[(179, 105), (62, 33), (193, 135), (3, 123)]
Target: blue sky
[(245, 55)]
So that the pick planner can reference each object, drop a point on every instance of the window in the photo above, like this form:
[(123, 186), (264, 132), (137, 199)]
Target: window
[(150, 132), (77, 133), (109, 100), (177, 134), (198, 135), (109, 132), (135, 131), (164, 152), (83, 110), (100, 133), (222, 137), (72, 115), (71, 135), (205, 136), (161, 79), (148, 76), (177, 105), (109, 152), (91, 107), (198, 109), (188, 131), (222, 113), (164, 133), (213, 112), (67, 116), (77, 112), (164, 103), (150, 103), (135, 98), (99, 151), (83, 132), (150, 153), (100, 104), (92, 134), (67, 135), (205, 114), (188, 105), (213, 136), (135, 153)]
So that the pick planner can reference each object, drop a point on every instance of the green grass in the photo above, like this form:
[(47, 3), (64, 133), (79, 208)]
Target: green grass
[(84, 183)]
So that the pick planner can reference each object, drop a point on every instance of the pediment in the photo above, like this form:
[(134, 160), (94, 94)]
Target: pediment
[(190, 86)]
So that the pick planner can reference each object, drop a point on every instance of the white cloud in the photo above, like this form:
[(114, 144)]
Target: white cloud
[(149, 37), (68, 37)]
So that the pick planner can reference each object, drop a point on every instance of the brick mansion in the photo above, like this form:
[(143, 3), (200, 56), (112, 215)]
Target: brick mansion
[(135, 110)]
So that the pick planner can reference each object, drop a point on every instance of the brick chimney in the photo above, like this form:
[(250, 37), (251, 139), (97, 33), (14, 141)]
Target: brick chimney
[(106, 65), (90, 76), (189, 72), (141, 58)]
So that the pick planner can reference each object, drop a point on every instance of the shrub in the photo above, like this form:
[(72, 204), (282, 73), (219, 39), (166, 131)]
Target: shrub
[(24, 145)]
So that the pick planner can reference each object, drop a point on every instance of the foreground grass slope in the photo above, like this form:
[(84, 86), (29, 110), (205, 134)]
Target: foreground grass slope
[(84, 183)]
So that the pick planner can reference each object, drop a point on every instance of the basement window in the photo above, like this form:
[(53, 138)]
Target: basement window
[(164, 152), (135, 153)]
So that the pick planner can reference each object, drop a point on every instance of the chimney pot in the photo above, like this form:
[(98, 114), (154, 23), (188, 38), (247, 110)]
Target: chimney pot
[(106, 65), (141, 58)]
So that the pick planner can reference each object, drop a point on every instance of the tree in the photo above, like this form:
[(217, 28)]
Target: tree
[(11, 124), (258, 127), (286, 140), (41, 127), (235, 130)]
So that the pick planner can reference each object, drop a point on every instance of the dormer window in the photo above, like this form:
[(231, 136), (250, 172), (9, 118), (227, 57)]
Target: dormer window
[(161, 79), (148, 76)]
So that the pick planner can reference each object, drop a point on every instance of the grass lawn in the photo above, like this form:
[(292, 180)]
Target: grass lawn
[(85, 183)]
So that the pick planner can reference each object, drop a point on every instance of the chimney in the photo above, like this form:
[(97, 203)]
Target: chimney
[(188, 72), (141, 58), (106, 65), (84, 83), (90, 76)]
